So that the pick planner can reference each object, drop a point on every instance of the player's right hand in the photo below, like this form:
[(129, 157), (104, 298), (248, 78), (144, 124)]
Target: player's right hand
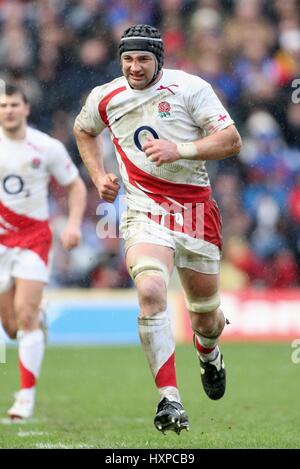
[(108, 187)]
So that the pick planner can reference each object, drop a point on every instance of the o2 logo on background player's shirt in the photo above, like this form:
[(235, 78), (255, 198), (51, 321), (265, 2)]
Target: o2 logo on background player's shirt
[(14, 184), (142, 134)]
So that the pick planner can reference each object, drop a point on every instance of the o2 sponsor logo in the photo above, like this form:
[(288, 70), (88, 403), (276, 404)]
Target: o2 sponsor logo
[(14, 185), (142, 134)]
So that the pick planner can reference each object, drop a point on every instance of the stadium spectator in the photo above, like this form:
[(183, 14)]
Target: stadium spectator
[(240, 267), (164, 124), (28, 159)]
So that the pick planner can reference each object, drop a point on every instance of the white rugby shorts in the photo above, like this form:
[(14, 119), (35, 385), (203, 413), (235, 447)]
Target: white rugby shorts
[(189, 252), (20, 263)]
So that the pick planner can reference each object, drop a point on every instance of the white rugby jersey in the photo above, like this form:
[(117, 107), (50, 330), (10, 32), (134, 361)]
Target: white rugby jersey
[(180, 108), (25, 170)]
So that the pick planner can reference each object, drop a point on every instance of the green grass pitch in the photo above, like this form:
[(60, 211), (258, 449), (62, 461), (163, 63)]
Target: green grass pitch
[(104, 397)]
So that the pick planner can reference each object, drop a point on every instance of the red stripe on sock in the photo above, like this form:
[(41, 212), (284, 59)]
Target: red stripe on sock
[(202, 349), (27, 378), (166, 375)]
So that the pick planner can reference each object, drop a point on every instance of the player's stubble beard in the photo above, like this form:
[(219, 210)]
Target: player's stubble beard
[(138, 85), (12, 131), (147, 83)]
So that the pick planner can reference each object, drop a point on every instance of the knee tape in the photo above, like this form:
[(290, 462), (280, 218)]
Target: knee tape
[(203, 305), (149, 266), (157, 319)]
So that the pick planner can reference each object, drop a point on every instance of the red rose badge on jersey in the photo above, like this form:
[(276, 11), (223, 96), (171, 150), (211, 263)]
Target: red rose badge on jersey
[(35, 163), (164, 109)]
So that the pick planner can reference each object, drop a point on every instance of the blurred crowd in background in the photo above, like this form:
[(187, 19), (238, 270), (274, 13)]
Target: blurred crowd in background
[(249, 50)]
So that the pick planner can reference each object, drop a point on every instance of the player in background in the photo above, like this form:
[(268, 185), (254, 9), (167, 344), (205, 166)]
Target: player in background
[(164, 124), (28, 159)]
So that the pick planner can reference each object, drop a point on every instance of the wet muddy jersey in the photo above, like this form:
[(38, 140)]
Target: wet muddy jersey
[(179, 108)]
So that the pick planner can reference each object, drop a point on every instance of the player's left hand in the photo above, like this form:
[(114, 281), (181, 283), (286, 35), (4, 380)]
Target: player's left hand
[(161, 151), (70, 237)]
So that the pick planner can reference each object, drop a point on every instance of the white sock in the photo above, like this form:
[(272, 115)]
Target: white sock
[(207, 348), (210, 357), (170, 392), (31, 352), (27, 394), (159, 347)]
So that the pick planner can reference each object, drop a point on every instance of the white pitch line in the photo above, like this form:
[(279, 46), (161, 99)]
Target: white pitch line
[(31, 433), (61, 445), (8, 421)]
